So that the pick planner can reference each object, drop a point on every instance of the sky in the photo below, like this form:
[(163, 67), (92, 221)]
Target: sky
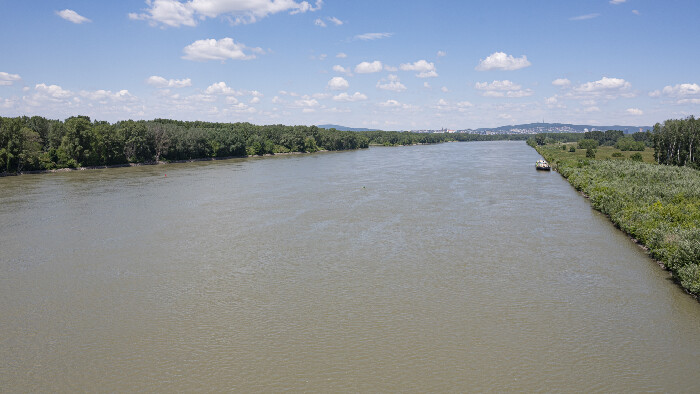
[(385, 64)]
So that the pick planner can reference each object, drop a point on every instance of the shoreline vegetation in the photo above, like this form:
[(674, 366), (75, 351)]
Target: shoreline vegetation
[(36, 144), (652, 193)]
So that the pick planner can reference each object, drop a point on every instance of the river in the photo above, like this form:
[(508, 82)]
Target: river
[(449, 267)]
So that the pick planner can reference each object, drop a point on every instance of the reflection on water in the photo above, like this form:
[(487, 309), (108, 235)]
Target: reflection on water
[(449, 267)]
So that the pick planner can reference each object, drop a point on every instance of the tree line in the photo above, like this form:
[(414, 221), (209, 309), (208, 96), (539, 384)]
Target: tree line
[(37, 143), (677, 142)]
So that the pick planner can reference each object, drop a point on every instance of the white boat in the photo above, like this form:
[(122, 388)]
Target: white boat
[(542, 165)]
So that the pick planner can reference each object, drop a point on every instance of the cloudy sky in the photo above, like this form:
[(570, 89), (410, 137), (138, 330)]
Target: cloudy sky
[(388, 64)]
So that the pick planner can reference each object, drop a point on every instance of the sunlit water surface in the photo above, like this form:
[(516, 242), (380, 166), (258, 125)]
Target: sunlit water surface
[(451, 267)]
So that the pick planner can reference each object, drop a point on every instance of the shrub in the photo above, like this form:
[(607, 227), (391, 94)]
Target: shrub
[(590, 153), (587, 144), (572, 148), (636, 157), (617, 154)]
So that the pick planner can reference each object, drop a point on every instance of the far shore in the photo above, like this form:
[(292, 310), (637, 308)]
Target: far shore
[(153, 163)]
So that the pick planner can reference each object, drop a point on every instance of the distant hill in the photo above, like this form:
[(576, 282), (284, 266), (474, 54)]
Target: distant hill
[(342, 128), (559, 128)]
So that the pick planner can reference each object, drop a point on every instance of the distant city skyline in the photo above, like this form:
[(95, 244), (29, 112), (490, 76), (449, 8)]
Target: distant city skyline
[(391, 65)]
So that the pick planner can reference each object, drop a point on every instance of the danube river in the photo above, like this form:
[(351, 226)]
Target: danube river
[(450, 267)]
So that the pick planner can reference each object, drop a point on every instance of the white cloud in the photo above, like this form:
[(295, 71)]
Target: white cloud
[(617, 1), (104, 95), (392, 83), (680, 90), (591, 109), (636, 12), (335, 20), (8, 79), (604, 85), (175, 13), (497, 85), (444, 89), (634, 111), (441, 53), (306, 102), (584, 17), (338, 83), (341, 55), (464, 104), (502, 61), (426, 85), (212, 49), (319, 22), (390, 103), (161, 82), (357, 96), (503, 88), (372, 36), (340, 69), (367, 67), (425, 69), (221, 88), (53, 92), (689, 101), (254, 100), (561, 82), (72, 16)]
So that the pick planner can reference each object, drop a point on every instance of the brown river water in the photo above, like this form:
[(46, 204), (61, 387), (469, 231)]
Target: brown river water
[(444, 268)]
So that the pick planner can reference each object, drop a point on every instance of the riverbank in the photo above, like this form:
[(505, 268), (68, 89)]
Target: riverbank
[(657, 205), (153, 163)]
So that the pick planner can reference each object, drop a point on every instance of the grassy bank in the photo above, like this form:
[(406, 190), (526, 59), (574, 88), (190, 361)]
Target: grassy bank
[(656, 204)]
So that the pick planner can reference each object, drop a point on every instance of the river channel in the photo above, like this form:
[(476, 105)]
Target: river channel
[(449, 267)]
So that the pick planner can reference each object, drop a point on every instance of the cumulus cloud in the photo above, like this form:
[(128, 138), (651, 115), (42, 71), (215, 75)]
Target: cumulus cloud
[(634, 111), (340, 69), (161, 82), (357, 96), (444, 89), (320, 22), (367, 67), (72, 16), (616, 2), (561, 82), (221, 88), (8, 79), (497, 85), (105, 95), (53, 92), (223, 49), (425, 69), (604, 85), (175, 13), (680, 90), (441, 53), (502, 61), (503, 88), (391, 83), (372, 36), (341, 55), (338, 83)]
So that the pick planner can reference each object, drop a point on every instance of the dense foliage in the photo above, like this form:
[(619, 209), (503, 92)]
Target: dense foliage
[(37, 143), (677, 142), (656, 204)]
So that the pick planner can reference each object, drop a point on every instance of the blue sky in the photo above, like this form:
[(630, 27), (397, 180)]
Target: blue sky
[(393, 65)]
